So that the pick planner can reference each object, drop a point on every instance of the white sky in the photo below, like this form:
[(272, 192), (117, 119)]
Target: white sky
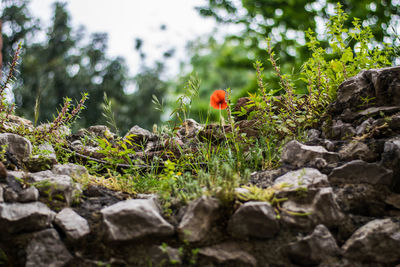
[(125, 20)]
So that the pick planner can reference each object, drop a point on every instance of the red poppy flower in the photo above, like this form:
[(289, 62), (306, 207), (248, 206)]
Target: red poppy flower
[(217, 100)]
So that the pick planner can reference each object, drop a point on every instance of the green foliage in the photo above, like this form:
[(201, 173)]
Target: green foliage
[(288, 20), (109, 114), (184, 101), (297, 109)]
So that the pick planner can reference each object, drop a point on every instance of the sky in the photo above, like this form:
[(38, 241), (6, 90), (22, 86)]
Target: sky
[(125, 20)]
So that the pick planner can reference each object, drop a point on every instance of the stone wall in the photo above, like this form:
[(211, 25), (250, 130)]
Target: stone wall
[(339, 192)]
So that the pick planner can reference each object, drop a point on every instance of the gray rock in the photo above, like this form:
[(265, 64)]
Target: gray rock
[(10, 195), (358, 172), (70, 169), (391, 159), (378, 110), (30, 194), (135, 219), (1, 194), (46, 249), (17, 217), (313, 135), (362, 199), (165, 256), (254, 219), (265, 178), (18, 146), (3, 171), (364, 126), (329, 145), (357, 150), (313, 249), (381, 85), (342, 131), (301, 179), (55, 185), (312, 207), (190, 128), (44, 159), (299, 155), (198, 219), (73, 225), (101, 131), (139, 136), (377, 241), (225, 254), (241, 191), (394, 122), (14, 182), (61, 131)]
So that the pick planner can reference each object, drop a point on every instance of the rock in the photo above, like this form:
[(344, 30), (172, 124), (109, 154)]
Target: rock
[(390, 158), (19, 121), (134, 219), (358, 172), (60, 132), (313, 135), (30, 194), (165, 256), (55, 185), (70, 169), (299, 155), (342, 131), (329, 145), (198, 219), (301, 179), (394, 122), (139, 136), (254, 219), (1, 194), (313, 249), (73, 225), (373, 111), (14, 181), (90, 151), (364, 126), (19, 147), (17, 217), (190, 128), (46, 249), (362, 199), (3, 171), (357, 150), (312, 207), (10, 195), (101, 131), (377, 241), (393, 200), (225, 254), (381, 85), (241, 191), (265, 178), (44, 159)]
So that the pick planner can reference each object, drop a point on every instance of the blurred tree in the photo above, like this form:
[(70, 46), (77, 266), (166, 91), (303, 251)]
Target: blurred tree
[(286, 20), (69, 62), (148, 83)]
